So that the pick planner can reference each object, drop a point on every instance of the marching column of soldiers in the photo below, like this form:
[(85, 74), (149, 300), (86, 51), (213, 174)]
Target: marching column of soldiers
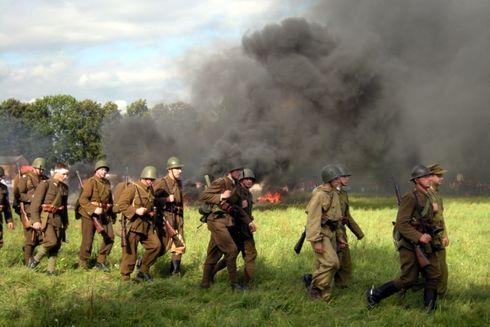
[(152, 214)]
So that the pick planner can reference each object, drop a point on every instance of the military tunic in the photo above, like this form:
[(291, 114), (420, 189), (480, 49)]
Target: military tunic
[(26, 187), (343, 275), (140, 229), (173, 211), (96, 192), (219, 221), (440, 224), (323, 223), (4, 209), (54, 224), (415, 204)]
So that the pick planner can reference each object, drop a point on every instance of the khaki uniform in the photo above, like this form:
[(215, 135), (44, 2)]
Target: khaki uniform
[(344, 274), (140, 229), (55, 223), (26, 186), (219, 222), (442, 233), (4, 209), (96, 192), (174, 213), (415, 204), (323, 225)]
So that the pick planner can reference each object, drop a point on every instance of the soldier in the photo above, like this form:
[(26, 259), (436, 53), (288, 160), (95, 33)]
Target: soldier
[(414, 223), (241, 233), (169, 201), (322, 226), (50, 216), (442, 239), (137, 205), (96, 212), (343, 275), (4, 207), (25, 188), (222, 198)]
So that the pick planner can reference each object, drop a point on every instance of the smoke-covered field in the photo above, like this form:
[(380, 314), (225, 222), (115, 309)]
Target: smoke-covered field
[(88, 298)]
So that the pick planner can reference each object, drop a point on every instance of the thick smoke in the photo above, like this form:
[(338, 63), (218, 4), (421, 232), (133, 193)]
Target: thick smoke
[(379, 85)]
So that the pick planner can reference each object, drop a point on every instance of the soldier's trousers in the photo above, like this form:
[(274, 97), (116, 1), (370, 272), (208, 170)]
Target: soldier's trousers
[(410, 270), (31, 240), (221, 243), (249, 254), (442, 287), (88, 233), (51, 240), (344, 274), (152, 246), (1, 233), (326, 264)]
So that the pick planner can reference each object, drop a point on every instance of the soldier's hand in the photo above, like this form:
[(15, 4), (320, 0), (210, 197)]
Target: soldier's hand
[(244, 204), (341, 243), (253, 227), (141, 211), (425, 238), (36, 225), (11, 226), (445, 241), (171, 198), (98, 211), (225, 195), (318, 247)]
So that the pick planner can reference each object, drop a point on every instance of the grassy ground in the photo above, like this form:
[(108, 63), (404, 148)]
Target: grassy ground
[(82, 298)]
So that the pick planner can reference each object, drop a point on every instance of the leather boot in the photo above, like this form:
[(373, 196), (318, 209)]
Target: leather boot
[(376, 294), (430, 299), (175, 268), (207, 276)]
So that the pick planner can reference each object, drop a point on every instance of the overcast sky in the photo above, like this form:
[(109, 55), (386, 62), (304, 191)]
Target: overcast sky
[(120, 50)]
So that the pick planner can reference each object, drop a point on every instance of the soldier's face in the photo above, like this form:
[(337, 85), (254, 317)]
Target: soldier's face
[(147, 181), (101, 172), (176, 172), (38, 171), (344, 180), (247, 182), (336, 182), (437, 179), (61, 176), (236, 174), (424, 181)]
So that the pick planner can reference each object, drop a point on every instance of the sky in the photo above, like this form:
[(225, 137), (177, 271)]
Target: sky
[(120, 50)]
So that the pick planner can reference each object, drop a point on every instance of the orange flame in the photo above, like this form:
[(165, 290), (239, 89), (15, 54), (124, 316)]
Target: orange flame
[(270, 198)]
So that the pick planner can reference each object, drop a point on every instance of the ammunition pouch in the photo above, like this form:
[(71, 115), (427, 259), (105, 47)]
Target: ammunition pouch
[(49, 208), (205, 210), (327, 222)]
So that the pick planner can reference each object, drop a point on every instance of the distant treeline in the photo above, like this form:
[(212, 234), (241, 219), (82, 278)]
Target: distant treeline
[(62, 128)]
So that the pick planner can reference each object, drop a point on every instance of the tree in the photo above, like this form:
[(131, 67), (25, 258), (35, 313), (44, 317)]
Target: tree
[(137, 108)]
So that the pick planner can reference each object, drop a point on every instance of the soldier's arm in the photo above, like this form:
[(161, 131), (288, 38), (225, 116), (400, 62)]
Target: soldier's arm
[(87, 191), (64, 203), (353, 226), (126, 202), (404, 218), (37, 201), (161, 194), (313, 220), (23, 191), (5, 206), (212, 194)]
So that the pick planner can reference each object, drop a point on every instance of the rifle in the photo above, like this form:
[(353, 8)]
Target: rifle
[(22, 211), (124, 232), (299, 244), (419, 253), (98, 226)]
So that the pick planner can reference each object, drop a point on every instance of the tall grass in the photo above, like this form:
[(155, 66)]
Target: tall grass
[(82, 298)]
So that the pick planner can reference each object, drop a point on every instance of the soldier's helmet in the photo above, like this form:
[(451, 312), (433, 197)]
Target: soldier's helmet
[(2, 172), (247, 173), (437, 169), (344, 171), (149, 172), (39, 163), (174, 162), (234, 165), (330, 172), (101, 164), (420, 171)]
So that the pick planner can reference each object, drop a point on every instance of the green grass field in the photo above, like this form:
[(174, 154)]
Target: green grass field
[(83, 298)]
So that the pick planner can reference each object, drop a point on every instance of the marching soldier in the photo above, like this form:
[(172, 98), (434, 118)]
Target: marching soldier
[(222, 197), (415, 224), (169, 201), (25, 188), (442, 239), (322, 228), (96, 212), (4, 207), (50, 216), (241, 233), (344, 274), (137, 205)]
